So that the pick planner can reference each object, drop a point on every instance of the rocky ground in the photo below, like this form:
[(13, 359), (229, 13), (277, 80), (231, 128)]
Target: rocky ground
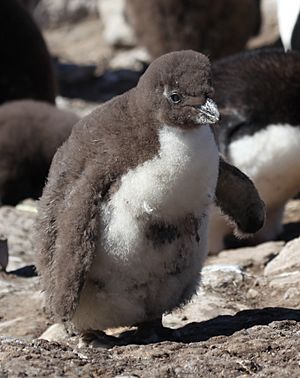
[(245, 319)]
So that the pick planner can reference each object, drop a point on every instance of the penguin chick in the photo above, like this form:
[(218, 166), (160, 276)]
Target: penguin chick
[(214, 27), (30, 133), (25, 64), (258, 94), (122, 228), (122, 232)]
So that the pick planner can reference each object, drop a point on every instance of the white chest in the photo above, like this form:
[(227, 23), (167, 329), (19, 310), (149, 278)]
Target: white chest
[(179, 181)]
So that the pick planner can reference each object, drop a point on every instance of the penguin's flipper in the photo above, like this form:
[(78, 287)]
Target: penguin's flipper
[(67, 248), (238, 199)]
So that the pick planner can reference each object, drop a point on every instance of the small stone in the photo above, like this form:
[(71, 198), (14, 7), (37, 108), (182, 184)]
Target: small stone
[(244, 257), (291, 293), (252, 293), (285, 280), (56, 332), (288, 260), (221, 275)]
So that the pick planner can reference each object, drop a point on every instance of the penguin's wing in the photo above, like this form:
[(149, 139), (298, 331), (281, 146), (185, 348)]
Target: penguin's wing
[(238, 198), (68, 230)]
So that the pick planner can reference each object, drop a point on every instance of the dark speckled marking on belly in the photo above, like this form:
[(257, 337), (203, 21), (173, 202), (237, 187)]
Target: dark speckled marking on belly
[(191, 227), (161, 233)]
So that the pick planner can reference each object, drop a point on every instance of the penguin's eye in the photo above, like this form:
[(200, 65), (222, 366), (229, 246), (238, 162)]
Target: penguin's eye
[(175, 98)]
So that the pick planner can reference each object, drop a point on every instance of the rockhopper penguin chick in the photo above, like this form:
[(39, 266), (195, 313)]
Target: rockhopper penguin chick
[(122, 229), (258, 95)]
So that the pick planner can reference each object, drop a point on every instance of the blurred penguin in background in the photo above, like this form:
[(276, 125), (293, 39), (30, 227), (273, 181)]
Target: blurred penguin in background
[(258, 95), (214, 27), (30, 134), (25, 65)]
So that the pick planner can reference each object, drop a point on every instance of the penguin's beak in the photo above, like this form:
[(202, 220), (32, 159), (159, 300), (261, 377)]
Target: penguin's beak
[(208, 113)]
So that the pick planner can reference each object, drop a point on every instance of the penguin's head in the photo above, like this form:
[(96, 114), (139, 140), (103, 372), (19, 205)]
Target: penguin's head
[(177, 90)]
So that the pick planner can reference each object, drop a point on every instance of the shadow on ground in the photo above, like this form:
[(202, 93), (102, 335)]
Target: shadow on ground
[(225, 325), (290, 231)]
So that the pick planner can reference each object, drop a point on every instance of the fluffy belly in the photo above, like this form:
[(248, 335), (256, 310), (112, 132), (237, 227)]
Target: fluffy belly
[(153, 234), (160, 273)]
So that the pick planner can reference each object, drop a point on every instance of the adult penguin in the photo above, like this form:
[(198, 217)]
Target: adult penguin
[(258, 95)]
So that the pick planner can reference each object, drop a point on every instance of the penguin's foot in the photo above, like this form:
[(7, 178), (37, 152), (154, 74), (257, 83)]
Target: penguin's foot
[(98, 339), (145, 333), (148, 332)]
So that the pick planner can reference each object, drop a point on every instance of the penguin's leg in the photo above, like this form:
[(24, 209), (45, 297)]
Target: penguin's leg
[(98, 339), (155, 327), (148, 332)]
